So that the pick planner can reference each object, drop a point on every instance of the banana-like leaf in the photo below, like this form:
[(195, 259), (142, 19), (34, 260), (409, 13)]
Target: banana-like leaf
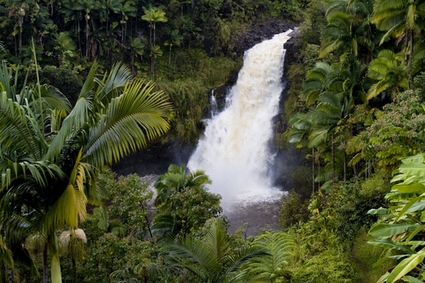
[(406, 265), (389, 230), (411, 279), (390, 245)]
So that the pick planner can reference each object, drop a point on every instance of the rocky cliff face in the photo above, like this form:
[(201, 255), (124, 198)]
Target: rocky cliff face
[(260, 32)]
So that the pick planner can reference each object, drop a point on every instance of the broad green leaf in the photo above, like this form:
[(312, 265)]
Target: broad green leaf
[(411, 206), (417, 170), (389, 244), (411, 279), (389, 230), (405, 266), (417, 206), (409, 188), (417, 159), (379, 211)]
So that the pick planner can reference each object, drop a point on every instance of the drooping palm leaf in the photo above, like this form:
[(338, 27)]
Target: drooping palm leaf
[(18, 130), (70, 207), (83, 114), (130, 121), (113, 83), (5, 254)]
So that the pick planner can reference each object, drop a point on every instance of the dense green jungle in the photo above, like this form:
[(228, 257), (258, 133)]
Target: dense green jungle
[(84, 83)]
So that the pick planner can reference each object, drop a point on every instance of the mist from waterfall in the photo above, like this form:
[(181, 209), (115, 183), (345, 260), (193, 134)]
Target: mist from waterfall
[(235, 149)]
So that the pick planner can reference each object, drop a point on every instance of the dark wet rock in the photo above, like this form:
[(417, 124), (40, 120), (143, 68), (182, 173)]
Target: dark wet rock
[(260, 32), (154, 160), (292, 49)]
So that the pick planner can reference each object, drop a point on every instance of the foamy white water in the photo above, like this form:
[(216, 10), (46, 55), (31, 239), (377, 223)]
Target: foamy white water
[(234, 151)]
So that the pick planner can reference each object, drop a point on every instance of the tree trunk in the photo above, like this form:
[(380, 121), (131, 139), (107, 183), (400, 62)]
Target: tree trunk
[(55, 267), (312, 169), (345, 166), (411, 39), (333, 160), (74, 271), (169, 55), (45, 265), (87, 36)]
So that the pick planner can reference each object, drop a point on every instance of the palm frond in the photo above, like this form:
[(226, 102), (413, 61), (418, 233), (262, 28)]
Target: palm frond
[(70, 207), (377, 89), (5, 254), (5, 81), (78, 118), (317, 137), (26, 168), (112, 84), (279, 248), (52, 98), (131, 120), (19, 130), (165, 223), (82, 115)]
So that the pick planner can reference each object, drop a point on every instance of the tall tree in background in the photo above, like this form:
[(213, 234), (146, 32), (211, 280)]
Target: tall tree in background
[(400, 19), (348, 28), (154, 15)]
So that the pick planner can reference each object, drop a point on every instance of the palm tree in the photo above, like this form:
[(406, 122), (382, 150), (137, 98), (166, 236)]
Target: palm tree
[(49, 159), (137, 47), (348, 28), (331, 91), (183, 202), (175, 39), (389, 74), (211, 258), (400, 19), (154, 15), (271, 268)]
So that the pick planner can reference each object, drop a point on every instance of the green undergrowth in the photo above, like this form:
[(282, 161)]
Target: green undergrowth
[(368, 262)]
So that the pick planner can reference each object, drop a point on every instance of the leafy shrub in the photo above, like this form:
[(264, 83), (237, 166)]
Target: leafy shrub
[(329, 266), (293, 210)]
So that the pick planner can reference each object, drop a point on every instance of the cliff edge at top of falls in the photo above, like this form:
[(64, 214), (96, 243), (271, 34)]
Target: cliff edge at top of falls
[(259, 32)]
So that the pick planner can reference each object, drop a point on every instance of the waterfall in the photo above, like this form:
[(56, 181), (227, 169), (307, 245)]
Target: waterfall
[(234, 151), (213, 103)]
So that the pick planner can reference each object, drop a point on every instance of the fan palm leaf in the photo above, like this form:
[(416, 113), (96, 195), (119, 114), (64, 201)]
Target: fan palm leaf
[(388, 72)]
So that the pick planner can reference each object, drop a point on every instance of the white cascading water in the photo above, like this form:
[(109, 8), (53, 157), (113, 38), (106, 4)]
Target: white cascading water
[(234, 151)]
